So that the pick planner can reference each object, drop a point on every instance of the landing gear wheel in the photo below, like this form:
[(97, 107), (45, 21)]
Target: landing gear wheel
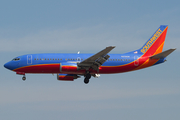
[(23, 78), (87, 77), (86, 81)]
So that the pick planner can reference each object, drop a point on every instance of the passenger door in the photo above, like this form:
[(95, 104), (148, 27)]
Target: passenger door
[(29, 59)]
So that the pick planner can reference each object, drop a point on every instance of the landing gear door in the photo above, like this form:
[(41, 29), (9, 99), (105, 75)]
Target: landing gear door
[(29, 59)]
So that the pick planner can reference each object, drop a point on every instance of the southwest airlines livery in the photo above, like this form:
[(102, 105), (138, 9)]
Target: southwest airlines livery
[(71, 66)]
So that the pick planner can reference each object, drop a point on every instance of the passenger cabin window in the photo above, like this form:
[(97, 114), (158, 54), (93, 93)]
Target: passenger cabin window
[(16, 59)]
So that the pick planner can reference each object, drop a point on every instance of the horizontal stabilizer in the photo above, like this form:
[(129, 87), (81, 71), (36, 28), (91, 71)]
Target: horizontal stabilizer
[(163, 54)]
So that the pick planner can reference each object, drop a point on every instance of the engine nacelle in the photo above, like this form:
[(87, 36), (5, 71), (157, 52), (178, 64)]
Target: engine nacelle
[(68, 67), (67, 77)]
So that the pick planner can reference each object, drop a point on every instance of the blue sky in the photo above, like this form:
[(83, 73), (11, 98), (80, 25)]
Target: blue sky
[(89, 26)]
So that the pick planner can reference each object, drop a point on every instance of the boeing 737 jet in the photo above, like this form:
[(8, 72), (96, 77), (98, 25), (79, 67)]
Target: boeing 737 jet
[(72, 66)]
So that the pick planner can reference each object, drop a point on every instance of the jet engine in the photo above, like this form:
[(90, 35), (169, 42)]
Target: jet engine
[(67, 77), (68, 67)]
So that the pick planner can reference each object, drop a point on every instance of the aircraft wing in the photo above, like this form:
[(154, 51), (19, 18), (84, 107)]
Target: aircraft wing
[(96, 60)]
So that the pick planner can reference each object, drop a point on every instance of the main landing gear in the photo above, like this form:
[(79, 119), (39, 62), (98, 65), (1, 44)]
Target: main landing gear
[(24, 78), (87, 77)]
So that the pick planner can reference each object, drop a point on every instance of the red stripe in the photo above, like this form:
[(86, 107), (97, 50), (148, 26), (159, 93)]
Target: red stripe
[(44, 68)]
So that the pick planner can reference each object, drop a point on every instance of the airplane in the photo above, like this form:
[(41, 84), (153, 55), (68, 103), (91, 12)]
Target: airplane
[(72, 66)]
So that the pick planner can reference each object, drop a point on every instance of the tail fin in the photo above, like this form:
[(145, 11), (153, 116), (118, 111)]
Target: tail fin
[(155, 44)]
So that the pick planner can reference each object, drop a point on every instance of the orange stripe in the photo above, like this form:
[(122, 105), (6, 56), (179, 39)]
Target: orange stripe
[(147, 63), (159, 50)]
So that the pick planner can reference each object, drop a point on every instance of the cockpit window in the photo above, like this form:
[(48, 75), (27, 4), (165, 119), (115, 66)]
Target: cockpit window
[(16, 59)]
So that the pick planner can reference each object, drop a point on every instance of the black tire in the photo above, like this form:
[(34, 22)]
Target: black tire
[(23, 78), (86, 81)]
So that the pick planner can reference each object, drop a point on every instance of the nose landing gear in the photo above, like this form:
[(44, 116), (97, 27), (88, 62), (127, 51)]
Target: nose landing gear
[(24, 78), (22, 73)]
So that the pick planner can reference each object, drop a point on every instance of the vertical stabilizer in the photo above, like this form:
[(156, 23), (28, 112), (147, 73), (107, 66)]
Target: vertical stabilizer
[(155, 44)]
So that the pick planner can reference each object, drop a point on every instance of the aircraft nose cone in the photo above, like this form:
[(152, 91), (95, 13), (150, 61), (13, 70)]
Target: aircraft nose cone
[(7, 65)]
